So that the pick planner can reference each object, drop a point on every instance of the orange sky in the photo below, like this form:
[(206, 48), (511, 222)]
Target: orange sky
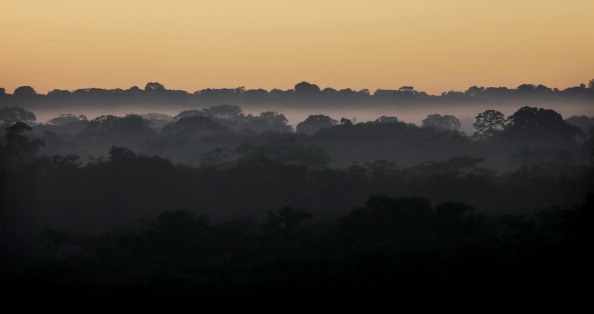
[(433, 45)]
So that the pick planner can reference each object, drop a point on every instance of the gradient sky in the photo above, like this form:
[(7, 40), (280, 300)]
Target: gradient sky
[(432, 45)]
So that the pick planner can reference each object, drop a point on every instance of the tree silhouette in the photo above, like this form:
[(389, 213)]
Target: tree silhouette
[(345, 121), (189, 113), (583, 122), (314, 123), (10, 115), (64, 119), (154, 87), (225, 112), (267, 121), (409, 90), (488, 123), (384, 119), (544, 126), (24, 91), (305, 88), (19, 149), (16, 130), (441, 123)]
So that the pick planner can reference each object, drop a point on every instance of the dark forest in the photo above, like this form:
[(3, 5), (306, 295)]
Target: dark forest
[(215, 201)]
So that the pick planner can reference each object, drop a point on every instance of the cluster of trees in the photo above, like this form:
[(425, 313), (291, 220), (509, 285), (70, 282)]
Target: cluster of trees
[(529, 135), (303, 93)]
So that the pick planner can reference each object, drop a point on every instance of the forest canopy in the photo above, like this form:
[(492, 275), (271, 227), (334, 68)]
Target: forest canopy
[(216, 197)]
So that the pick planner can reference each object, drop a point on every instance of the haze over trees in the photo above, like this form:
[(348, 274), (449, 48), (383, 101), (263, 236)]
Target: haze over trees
[(213, 197)]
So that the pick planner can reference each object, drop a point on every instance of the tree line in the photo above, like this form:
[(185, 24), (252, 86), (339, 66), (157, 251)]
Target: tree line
[(529, 135), (303, 93)]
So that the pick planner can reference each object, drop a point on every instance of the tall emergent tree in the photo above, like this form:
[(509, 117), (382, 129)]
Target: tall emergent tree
[(488, 123)]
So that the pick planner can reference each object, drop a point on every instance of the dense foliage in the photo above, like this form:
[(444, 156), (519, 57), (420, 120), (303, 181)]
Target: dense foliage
[(215, 198)]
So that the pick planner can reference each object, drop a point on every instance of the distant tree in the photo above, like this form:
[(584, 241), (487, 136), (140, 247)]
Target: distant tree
[(189, 113), (474, 91), (134, 90), (129, 131), (453, 95), (131, 123), (101, 122), (10, 115), (2, 91), (63, 124), (543, 89), (583, 122), (441, 123), (526, 88), (19, 149), (591, 84), (255, 95), (408, 90), (305, 88), (64, 119), (24, 91), (329, 91), (384, 119), (345, 121), (17, 129), (488, 123), (59, 93), (273, 117), (154, 87), (541, 125), (224, 112), (273, 121), (195, 127), (314, 123), (530, 117)]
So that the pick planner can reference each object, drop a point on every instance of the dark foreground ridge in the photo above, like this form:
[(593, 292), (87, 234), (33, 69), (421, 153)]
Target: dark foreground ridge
[(386, 246)]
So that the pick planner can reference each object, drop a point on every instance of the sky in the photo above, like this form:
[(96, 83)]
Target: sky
[(432, 45)]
